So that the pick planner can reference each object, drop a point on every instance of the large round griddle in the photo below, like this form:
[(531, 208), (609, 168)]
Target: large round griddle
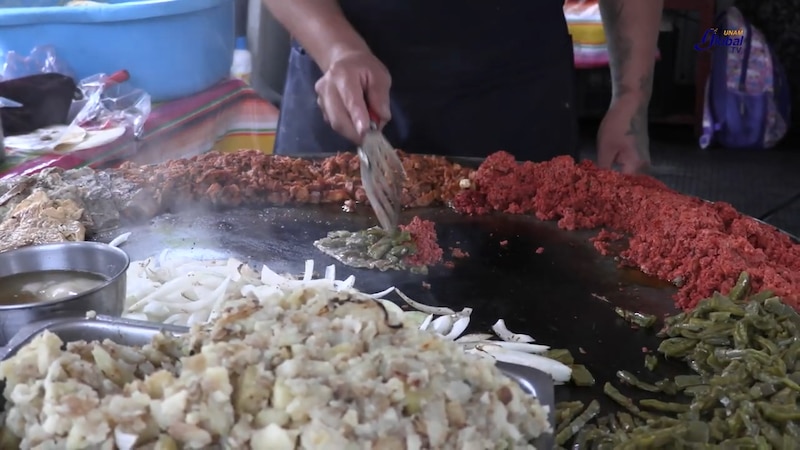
[(555, 295)]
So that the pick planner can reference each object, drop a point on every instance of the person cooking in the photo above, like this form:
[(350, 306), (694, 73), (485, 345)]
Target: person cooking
[(460, 77)]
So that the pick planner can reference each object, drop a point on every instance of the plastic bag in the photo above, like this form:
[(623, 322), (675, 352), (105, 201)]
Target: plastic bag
[(8, 103), (41, 59), (109, 102)]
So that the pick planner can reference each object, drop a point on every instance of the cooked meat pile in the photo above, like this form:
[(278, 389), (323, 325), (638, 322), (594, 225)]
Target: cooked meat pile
[(313, 369), (39, 220), (699, 246), (101, 198), (702, 247), (423, 234), (254, 178)]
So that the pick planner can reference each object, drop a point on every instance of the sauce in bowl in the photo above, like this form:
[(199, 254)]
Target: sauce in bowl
[(46, 286)]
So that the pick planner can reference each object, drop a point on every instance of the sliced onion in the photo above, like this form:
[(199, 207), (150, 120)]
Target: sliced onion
[(442, 324), (503, 333), (435, 310), (330, 273), (458, 328), (308, 274), (414, 319), (383, 293), (474, 337), (392, 308), (162, 258), (349, 281), (426, 323), (523, 347), (119, 240), (561, 373)]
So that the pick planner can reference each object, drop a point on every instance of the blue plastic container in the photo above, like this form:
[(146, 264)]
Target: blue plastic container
[(172, 48)]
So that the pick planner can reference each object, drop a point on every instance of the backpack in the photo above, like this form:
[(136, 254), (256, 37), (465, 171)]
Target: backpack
[(747, 103)]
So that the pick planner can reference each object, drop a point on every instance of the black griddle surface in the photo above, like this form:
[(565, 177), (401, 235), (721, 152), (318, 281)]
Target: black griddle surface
[(555, 295)]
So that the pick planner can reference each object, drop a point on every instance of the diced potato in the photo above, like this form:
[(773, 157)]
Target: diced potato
[(273, 437), (281, 395), (249, 393), (165, 442)]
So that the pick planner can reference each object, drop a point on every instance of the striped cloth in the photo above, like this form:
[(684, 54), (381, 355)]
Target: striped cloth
[(588, 37), (226, 117)]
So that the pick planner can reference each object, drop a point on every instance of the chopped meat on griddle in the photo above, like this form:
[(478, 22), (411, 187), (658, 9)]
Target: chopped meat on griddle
[(672, 236), (423, 233)]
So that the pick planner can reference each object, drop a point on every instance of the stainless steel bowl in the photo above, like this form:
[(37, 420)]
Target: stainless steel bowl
[(107, 299)]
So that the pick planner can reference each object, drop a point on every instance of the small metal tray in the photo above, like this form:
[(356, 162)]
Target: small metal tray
[(138, 333)]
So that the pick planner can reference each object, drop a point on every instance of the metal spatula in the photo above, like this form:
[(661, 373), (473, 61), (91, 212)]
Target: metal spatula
[(382, 175)]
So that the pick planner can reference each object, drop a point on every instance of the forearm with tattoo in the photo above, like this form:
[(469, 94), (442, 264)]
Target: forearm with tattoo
[(631, 28)]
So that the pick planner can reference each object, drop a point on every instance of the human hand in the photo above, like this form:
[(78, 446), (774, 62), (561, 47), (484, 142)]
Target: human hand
[(353, 85), (622, 138)]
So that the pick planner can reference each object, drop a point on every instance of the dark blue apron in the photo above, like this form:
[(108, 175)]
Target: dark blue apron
[(469, 77)]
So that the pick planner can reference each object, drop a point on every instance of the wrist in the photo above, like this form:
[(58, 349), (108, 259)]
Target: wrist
[(341, 50)]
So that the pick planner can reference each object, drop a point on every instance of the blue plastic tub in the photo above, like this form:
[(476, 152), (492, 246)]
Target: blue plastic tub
[(172, 48)]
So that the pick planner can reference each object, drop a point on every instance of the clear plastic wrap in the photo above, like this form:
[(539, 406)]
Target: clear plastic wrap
[(109, 102)]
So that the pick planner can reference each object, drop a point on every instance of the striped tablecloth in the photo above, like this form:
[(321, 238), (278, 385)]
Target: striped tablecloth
[(226, 117)]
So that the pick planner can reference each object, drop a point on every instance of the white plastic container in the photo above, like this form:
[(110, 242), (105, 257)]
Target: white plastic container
[(242, 65)]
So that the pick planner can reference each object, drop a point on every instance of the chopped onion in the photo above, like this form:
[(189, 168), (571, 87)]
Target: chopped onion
[(503, 333), (119, 240)]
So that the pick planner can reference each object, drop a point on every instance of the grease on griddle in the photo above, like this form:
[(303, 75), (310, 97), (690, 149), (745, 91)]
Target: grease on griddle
[(633, 276)]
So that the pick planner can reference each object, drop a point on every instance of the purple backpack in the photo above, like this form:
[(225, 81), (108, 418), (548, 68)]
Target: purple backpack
[(747, 102)]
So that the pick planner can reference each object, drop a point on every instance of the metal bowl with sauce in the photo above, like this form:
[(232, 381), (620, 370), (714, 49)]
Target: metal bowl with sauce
[(96, 275)]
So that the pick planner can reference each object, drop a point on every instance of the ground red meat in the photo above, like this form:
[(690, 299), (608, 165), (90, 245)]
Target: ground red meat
[(423, 233), (675, 237), (603, 240)]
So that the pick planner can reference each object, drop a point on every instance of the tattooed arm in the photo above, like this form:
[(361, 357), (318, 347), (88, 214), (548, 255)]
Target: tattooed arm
[(631, 28)]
